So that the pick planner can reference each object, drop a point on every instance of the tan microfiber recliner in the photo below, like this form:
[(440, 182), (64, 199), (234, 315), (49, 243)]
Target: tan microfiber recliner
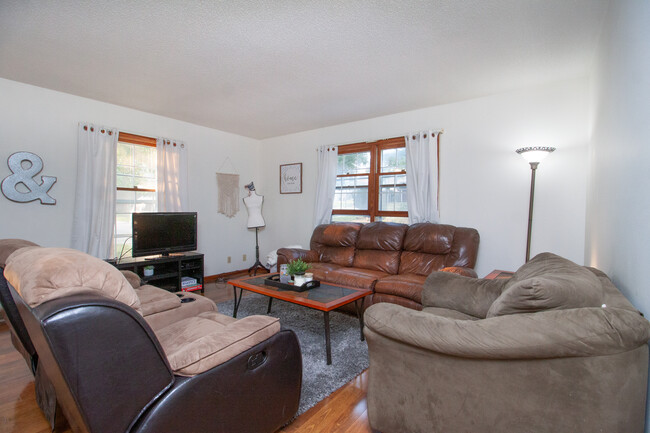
[(557, 348)]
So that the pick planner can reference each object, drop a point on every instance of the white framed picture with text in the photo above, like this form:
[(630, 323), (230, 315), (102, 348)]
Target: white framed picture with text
[(291, 178)]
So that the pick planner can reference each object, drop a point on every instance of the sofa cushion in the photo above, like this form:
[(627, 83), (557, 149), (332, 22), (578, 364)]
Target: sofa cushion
[(450, 314), (471, 296), (197, 344), (430, 247), (379, 246), (407, 286), (42, 274), (397, 300), (548, 282), (8, 246), (355, 277), (154, 300), (429, 238), (184, 310), (414, 262), (335, 243), (321, 270)]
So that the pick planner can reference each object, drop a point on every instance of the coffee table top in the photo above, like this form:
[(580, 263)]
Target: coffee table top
[(326, 297)]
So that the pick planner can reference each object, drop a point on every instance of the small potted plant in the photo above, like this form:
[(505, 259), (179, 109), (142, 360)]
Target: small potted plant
[(297, 268)]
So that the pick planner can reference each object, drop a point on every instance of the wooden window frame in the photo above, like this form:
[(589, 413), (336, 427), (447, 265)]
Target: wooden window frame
[(375, 149), (141, 140)]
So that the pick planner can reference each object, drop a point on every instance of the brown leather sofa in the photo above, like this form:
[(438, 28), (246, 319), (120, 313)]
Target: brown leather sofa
[(554, 349), (391, 259), (111, 371)]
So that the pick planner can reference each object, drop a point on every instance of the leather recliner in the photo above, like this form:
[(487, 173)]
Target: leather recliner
[(112, 372)]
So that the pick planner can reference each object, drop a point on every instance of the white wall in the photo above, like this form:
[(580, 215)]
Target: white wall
[(618, 206), (618, 212), (45, 122), (484, 183)]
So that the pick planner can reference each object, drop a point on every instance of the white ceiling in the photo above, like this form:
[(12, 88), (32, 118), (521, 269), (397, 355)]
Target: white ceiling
[(271, 67)]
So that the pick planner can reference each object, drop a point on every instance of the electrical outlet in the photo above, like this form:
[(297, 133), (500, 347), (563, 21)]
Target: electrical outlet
[(244, 257), (229, 259)]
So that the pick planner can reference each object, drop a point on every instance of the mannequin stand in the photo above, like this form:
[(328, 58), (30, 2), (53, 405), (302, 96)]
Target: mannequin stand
[(257, 264)]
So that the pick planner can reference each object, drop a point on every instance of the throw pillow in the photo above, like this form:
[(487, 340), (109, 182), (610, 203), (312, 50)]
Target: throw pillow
[(549, 292)]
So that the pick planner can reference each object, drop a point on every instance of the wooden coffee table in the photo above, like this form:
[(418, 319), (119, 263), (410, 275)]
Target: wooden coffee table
[(325, 298)]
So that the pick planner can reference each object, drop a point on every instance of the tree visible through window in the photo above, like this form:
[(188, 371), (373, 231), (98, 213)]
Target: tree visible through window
[(136, 185), (371, 182)]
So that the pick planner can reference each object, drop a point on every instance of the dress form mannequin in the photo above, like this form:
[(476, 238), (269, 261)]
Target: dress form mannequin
[(253, 205)]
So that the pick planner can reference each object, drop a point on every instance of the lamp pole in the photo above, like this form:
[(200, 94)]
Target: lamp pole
[(533, 155), (533, 169)]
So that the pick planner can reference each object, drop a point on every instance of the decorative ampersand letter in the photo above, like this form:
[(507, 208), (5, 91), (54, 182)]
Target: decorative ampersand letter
[(26, 177)]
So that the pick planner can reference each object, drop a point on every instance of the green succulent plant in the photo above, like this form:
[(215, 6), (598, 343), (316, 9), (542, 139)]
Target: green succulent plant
[(297, 267)]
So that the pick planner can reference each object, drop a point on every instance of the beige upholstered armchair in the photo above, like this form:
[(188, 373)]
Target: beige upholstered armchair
[(556, 348)]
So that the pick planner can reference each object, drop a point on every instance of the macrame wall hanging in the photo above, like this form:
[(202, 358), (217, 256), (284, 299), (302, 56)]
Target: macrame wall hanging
[(228, 196)]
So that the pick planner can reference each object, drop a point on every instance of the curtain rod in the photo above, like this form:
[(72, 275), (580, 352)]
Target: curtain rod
[(437, 131)]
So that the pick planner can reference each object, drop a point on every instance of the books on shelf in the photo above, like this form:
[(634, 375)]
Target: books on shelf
[(193, 288), (188, 281)]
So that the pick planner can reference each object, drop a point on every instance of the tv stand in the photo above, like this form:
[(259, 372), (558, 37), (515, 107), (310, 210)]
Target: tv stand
[(168, 270)]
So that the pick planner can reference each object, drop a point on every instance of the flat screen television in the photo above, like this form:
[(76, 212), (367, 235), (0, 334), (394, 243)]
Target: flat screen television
[(163, 233)]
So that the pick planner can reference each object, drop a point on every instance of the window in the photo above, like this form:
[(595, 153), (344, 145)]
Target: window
[(371, 182), (136, 185)]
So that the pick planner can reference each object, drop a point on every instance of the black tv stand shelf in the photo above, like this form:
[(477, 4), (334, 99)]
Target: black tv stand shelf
[(167, 270)]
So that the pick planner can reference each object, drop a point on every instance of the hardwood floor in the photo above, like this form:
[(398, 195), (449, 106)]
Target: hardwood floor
[(344, 411), (18, 409)]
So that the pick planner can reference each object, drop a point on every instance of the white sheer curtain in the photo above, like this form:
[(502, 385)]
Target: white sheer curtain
[(326, 184), (172, 175), (422, 176), (94, 208)]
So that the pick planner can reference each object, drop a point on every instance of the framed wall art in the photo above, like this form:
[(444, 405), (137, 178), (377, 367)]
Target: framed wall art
[(291, 178)]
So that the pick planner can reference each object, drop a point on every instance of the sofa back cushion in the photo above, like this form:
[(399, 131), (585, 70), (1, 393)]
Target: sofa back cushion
[(430, 247), (335, 243), (8, 246), (42, 274), (548, 282), (379, 246)]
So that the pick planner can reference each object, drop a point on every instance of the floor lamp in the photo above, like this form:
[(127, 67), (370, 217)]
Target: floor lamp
[(534, 155)]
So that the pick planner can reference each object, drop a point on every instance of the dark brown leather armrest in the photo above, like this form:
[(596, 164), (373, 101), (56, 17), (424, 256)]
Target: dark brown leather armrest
[(285, 255), (459, 270)]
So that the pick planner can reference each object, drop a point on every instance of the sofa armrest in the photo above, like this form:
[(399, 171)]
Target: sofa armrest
[(133, 278), (460, 270), (548, 334), (468, 295), (285, 255), (227, 398)]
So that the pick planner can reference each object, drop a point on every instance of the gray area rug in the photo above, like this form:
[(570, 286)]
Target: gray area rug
[(349, 353)]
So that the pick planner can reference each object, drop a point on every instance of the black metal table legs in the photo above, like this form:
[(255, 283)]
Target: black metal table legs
[(237, 300), (359, 309), (328, 346)]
